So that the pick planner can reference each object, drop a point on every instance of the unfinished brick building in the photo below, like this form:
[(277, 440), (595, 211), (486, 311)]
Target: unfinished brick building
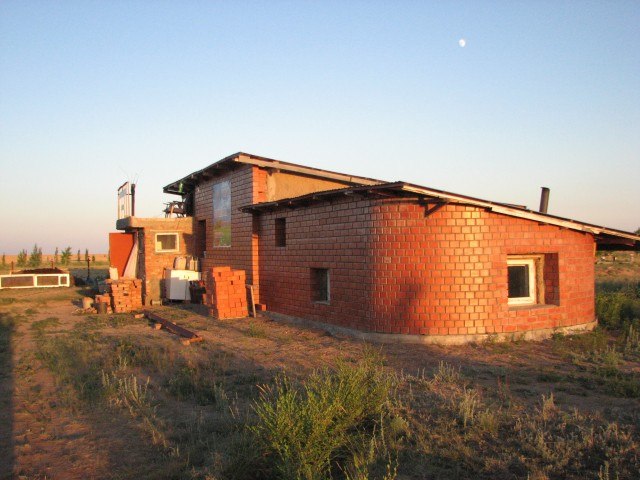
[(389, 261)]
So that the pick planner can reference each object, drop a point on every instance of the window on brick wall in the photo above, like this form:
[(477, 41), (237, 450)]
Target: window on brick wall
[(281, 232), (320, 285), (533, 279), (526, 280), (167, 242), (222, 214), (522, 281)]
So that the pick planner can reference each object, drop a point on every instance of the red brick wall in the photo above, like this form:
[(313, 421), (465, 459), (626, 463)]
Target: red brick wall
[(152, 268), (395, 270), (330, 235), (248, 186)]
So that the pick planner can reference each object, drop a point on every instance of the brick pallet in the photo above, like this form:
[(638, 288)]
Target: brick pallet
[(226, 294), (125, 295)]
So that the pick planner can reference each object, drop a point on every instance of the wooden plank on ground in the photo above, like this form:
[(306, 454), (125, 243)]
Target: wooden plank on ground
[(252, 302), (160, 322)]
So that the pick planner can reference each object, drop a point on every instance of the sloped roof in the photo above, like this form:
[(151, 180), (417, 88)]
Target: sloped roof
[(186, 184), (603, 235)]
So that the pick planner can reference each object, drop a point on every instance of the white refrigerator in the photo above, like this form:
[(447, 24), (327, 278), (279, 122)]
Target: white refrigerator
[(176, 283)]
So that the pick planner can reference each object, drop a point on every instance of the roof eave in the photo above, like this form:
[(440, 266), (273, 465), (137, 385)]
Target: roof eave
[(432, 194), (192, 179)]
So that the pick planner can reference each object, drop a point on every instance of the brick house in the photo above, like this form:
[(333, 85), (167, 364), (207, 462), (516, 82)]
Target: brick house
[(387, 261)]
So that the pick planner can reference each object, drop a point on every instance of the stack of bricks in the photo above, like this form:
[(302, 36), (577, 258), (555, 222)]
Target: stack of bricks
[(106, 299), (126, 294), (226, 294)]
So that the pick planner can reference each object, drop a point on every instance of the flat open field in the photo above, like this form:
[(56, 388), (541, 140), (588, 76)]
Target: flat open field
[(88, 396)]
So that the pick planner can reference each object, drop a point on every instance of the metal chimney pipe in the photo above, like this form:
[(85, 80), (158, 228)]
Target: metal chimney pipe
[(544, 200)]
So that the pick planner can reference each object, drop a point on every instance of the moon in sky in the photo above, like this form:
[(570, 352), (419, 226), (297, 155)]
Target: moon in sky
[(462, 42)]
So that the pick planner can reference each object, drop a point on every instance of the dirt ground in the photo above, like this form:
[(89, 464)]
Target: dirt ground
[(45, 435)]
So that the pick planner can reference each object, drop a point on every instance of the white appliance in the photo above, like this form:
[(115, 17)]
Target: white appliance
[(176, 283)]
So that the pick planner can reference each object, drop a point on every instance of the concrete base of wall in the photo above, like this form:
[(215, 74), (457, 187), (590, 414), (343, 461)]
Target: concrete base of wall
[(431, 339)]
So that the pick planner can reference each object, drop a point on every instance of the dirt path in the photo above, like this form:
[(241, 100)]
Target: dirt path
[(42, 436)]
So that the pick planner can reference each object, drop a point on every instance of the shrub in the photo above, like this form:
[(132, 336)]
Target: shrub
[(632, 339), (446, 373), (35, 259), (337, 421), (21, 261), (615, 309), (65, 257)]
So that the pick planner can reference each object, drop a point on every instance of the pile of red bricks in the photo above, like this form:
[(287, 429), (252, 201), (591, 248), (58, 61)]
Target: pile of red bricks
[(226, 294), (125, 295)]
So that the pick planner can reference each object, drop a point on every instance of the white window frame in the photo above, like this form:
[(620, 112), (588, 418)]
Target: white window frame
[(155, 244), (532, 263)]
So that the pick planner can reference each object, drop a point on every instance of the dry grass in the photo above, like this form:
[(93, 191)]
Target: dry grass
[(247, 402)]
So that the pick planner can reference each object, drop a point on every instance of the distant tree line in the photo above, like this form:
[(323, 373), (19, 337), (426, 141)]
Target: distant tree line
[(34, 259)]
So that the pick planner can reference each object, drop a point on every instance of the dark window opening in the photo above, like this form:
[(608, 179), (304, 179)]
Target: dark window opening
[(320, 285), (201, 238), (281, 232), (519, 281), (525, 280)]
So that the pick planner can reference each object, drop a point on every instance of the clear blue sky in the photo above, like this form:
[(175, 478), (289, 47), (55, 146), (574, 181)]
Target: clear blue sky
[(96, 93)]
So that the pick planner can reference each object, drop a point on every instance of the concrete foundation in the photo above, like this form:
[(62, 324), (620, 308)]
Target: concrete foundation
[(374, 337)]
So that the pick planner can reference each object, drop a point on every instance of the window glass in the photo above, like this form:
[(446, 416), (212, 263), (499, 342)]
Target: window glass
[(320, 285), (166, 242), (281, 232), (222, 214), (518, 281), (522, 279)]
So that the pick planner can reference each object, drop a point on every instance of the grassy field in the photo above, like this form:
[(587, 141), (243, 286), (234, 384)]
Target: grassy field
[(88, 396)]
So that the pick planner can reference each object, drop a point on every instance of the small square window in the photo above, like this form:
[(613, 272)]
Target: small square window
[(320, 285), (167, 242), (281, 232), (523, 278)]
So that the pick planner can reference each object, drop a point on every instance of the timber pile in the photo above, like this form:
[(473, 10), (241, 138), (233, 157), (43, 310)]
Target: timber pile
[(125, 295), (226, 294)]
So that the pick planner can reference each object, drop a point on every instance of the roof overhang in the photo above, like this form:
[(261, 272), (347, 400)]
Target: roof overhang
[(604, 236), (188, 183)]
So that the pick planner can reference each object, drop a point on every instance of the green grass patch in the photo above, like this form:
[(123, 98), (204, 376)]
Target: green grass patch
[(99, 322), (256, 330), (40, 326), (618, 305), (338, 423)]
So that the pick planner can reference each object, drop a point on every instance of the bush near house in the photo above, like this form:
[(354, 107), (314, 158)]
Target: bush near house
[(618, 304)]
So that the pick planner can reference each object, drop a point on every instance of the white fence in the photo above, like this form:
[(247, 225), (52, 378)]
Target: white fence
[(34, 280)]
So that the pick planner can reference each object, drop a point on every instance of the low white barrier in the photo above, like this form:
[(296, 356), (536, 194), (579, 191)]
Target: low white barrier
[(34, 280)]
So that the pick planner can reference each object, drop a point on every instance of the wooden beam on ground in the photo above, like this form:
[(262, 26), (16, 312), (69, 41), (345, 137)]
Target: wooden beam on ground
[(252, 302), (160, 322)]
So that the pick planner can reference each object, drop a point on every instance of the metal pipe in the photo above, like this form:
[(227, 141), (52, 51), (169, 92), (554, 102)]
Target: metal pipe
[(544, 200)]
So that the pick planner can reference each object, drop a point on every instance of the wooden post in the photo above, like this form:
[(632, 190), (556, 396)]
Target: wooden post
[(252, 301), (133, 199)]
